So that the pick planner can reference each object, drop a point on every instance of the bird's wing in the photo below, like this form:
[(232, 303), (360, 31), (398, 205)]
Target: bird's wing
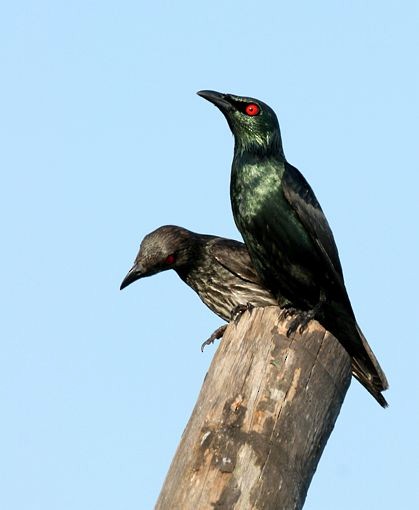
[(234, 256), (300, 196)]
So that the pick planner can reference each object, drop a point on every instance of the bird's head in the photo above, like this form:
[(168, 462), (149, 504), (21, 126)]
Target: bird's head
[(253, 123), (168, 247)]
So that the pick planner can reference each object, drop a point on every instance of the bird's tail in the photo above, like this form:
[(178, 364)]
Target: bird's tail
[(367, 370)]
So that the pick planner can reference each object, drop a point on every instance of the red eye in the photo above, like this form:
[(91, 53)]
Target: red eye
[(252, 109), (170, 259)]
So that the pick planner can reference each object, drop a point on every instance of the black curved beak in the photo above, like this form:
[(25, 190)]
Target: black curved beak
[(134, 274), (220, 100)]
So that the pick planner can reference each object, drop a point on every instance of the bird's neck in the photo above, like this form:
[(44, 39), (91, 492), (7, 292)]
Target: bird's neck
[(268, 145), (193, 258)]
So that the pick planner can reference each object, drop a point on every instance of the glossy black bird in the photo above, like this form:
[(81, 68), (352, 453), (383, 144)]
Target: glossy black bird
[(219, 270), (287, 234)]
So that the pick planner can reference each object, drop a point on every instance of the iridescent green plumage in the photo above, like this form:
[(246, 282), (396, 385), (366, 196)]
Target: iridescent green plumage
[(287, 234)]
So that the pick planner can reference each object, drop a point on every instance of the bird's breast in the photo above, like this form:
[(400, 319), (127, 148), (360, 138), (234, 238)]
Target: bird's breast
[(222, 291), (280, 248), (251, 187)]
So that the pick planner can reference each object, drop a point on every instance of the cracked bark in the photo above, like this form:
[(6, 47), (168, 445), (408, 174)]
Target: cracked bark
[(266, 409)]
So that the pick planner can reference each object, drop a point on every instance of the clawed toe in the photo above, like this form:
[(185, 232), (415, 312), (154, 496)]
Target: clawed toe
[(238, 310), (300, 322), (218, 333), (288, 311)]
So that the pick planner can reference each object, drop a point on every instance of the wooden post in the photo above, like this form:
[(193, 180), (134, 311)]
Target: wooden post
[(266, 409)]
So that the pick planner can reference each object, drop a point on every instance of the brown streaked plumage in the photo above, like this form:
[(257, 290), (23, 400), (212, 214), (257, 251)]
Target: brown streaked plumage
[(219, 270)]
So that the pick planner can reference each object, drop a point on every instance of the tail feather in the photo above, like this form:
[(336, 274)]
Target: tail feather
[(367, 370)]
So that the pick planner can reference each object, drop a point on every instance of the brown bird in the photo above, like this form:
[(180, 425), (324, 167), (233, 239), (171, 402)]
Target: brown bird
[(219, 270)]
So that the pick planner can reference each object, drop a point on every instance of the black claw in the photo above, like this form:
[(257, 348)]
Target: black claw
[(249, 307), (288, 311), (301, 321), (218, 333), (238, 310)]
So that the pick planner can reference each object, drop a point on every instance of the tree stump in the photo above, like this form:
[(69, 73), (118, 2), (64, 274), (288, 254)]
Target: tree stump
[(265, 411)]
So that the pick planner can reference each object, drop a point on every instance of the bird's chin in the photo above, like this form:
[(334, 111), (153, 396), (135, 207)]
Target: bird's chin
[(217, 98)]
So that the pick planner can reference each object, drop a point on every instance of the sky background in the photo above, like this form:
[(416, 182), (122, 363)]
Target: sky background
[(103, 140)]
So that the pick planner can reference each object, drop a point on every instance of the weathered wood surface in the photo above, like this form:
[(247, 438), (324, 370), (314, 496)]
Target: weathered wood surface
[(266, 409)]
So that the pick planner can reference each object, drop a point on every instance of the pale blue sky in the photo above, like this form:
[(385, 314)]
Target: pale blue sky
[(104, 140)]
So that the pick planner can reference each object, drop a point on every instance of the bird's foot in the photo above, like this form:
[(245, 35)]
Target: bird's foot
[(238, 310), (288, 311), (300, 321), (218, 333)]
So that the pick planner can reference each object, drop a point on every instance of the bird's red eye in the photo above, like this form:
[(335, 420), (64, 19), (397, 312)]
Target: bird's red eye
[(170, 259), (252, 109)]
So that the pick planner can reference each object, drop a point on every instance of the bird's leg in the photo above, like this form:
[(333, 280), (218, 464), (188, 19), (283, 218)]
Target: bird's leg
[(218, 333), (238, 310), (287, 311), (235, 315), (303, 317)]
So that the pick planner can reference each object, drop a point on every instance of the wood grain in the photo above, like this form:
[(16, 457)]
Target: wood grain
[(265, 411)]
